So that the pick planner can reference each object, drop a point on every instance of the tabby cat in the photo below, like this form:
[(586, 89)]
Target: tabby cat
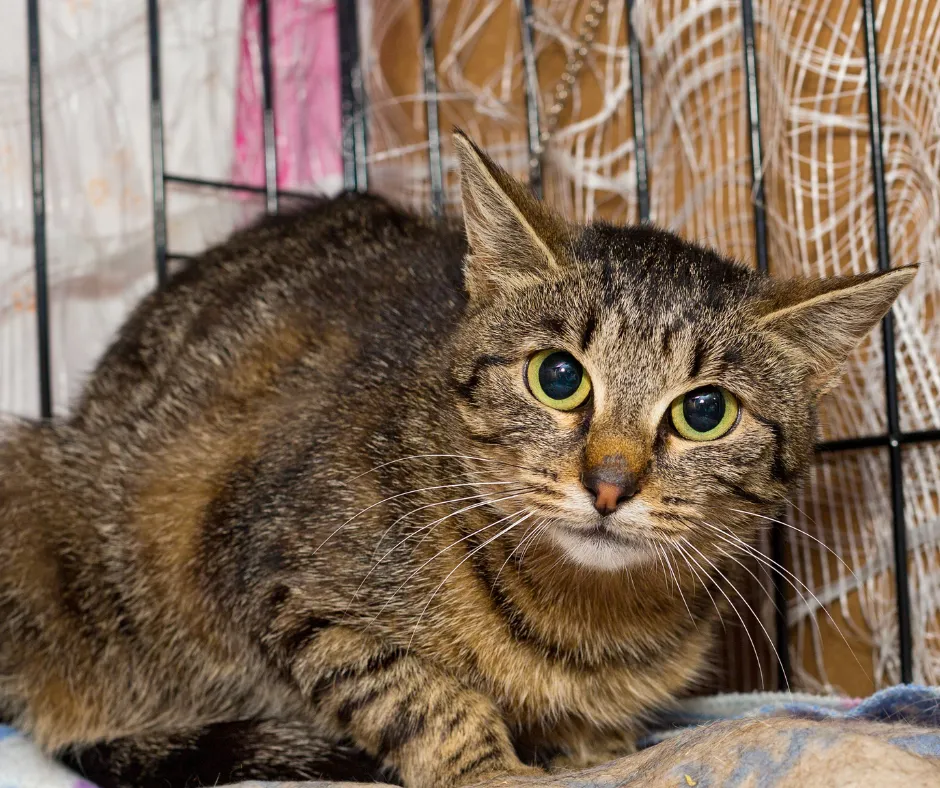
[(362, 494)]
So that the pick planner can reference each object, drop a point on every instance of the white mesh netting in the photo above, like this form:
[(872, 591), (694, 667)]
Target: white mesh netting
[(819, 193)]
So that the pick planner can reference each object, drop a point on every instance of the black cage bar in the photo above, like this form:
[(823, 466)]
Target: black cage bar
[(267, 101), (883, 244), (534, 137), (354, 105), (352, 100), (39, 209), (752, 104)]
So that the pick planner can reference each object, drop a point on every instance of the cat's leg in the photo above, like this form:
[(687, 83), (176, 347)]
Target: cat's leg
[(580, 745), (220, 754), (408, 714), (587, 753)]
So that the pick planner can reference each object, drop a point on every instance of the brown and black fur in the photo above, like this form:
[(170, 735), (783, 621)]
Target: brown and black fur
[(232, 559)]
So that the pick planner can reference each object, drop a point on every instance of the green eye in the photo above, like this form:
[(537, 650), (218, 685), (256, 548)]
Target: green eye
[(704, 414), (557, 379)]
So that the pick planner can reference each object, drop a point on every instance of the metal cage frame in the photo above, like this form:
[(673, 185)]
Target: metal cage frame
[(355, 177)]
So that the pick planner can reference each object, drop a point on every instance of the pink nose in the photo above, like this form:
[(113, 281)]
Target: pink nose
[(610, 487)]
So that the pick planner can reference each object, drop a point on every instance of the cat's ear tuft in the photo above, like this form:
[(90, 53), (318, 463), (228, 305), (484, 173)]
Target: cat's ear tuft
[(514, 239), (823, 320)]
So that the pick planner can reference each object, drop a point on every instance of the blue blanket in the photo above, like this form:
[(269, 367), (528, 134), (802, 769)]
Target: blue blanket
[(908, 704), (776, 740)]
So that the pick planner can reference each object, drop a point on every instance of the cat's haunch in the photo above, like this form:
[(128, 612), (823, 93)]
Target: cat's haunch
[(363, 494)]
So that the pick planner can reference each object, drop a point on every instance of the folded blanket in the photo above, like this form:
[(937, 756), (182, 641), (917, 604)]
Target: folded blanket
[(780, 740), (910, 704)]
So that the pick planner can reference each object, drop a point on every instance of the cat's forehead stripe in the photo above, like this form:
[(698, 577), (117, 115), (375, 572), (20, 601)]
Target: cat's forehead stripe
[(661, 272), (698, 358), (589, 327)]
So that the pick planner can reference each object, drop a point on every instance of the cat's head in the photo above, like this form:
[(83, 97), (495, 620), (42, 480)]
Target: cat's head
[(629, 389)]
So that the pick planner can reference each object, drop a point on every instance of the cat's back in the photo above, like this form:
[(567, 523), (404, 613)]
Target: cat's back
[(344, 277), (261, 340)]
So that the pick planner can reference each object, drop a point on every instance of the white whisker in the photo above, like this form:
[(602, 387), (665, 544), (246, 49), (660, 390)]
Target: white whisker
[(439, 553), (430, 526), (441, 456), (746, 568), (760, 623), (792, 579), (748, 550), (704, 581), (661, 562), (469, 555), (543, 526), (678, 583), (401, 495), (807, 534), (733, 608), (529, 531), (431, 506)]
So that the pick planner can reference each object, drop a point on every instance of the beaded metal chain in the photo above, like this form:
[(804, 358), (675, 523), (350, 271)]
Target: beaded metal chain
[(573, 66)]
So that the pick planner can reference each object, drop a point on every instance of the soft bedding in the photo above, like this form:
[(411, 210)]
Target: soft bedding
[(733, 741)]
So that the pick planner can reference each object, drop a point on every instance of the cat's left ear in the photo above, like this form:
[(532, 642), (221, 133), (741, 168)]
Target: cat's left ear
[(514, 239), (823, 320)]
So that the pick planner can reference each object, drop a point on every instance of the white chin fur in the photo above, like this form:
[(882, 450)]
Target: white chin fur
[(598, 554)]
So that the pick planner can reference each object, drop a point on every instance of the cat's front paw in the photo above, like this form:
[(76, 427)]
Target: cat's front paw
[(593, 754), (506, 778)]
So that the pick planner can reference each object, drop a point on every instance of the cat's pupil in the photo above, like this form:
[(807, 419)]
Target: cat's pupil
[(704, 408), (560, 375)]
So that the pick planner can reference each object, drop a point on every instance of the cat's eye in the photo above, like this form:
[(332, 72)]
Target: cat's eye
[(704, 414), (557, 379)]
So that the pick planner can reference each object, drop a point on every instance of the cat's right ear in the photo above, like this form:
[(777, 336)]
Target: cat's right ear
[(822, 320), (514, 239)]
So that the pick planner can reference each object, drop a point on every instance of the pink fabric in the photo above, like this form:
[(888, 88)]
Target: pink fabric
[(305, 66)]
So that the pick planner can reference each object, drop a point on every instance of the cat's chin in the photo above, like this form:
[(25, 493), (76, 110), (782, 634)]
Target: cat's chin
[(599, 548)]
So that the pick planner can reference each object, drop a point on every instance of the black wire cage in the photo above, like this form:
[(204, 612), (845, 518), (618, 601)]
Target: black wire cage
[(356, 177)]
